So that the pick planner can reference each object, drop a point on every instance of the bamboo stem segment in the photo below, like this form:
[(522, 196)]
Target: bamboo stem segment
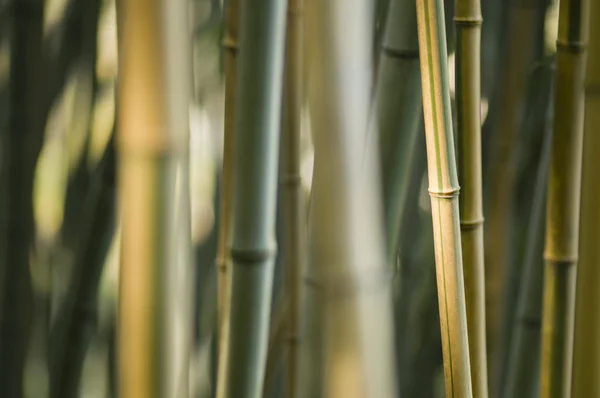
[(293, 197), (586, 349), (252, 252), (347, 336), (564, 189), (468, 95), (443, 188), (230, 47), (152, 140), (398, 109)]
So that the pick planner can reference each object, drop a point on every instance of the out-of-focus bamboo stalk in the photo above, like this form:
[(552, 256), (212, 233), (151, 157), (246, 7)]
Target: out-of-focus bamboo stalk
[(398, 108), (257, 118), (468, 21), (153, 98), (586, 349), (563, 201), (443, 189), (522, 368), (347, 336), (293, 197), (21, 146), (501, 176)]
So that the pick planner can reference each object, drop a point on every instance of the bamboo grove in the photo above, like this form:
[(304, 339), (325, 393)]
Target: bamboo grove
[(299, 198)]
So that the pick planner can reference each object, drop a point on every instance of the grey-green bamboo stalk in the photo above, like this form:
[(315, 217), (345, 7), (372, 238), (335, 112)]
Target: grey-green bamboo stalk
[(293, 196), (153, 97), (397, 113), (347, 335), (563, 201), (444, 189), (586, 349), (257, 117), (467, 17)]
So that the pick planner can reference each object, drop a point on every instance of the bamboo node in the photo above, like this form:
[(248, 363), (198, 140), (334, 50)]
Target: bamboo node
[(290, 179), (561, 261), (471, 224), (341, 287), (252, 257), (468, 21), (444, 194), (575, 46), (592, 90), (399, 54), (229, 43), (530, 322)]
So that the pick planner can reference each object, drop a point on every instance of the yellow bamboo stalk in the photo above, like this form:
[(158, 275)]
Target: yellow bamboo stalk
[(586, 346), (152, 136), (563, 200), (468, 101), (443, 188)]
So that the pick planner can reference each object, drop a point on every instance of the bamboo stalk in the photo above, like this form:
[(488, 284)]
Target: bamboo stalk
[(563, 200), (522, 368), (73, 331), (397, 113), (501, 176), (586, 349), (347, 335), (257, 116), (230, 46), (22, 144), (293, 197), (443, 189), (152, 141), (468, 21)]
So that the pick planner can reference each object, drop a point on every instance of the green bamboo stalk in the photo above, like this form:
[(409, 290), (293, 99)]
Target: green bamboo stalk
[(564, 189), (397, 113), (501, 176), (443, 189), (522, 367), (22, 144), (347, 334), (293, 197), (230, 47), (260, 78), (468, 21), (152, 139), (586, 348), (74, 328)]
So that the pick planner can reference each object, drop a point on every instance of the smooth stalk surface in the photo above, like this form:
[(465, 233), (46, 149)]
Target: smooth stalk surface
[(444, 189), (347, 336), (230, 47), (523, 364), (293, 197), (586, 349), (153, 97), (468, 21), (563, 200), (398, 108), (253, 246)]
